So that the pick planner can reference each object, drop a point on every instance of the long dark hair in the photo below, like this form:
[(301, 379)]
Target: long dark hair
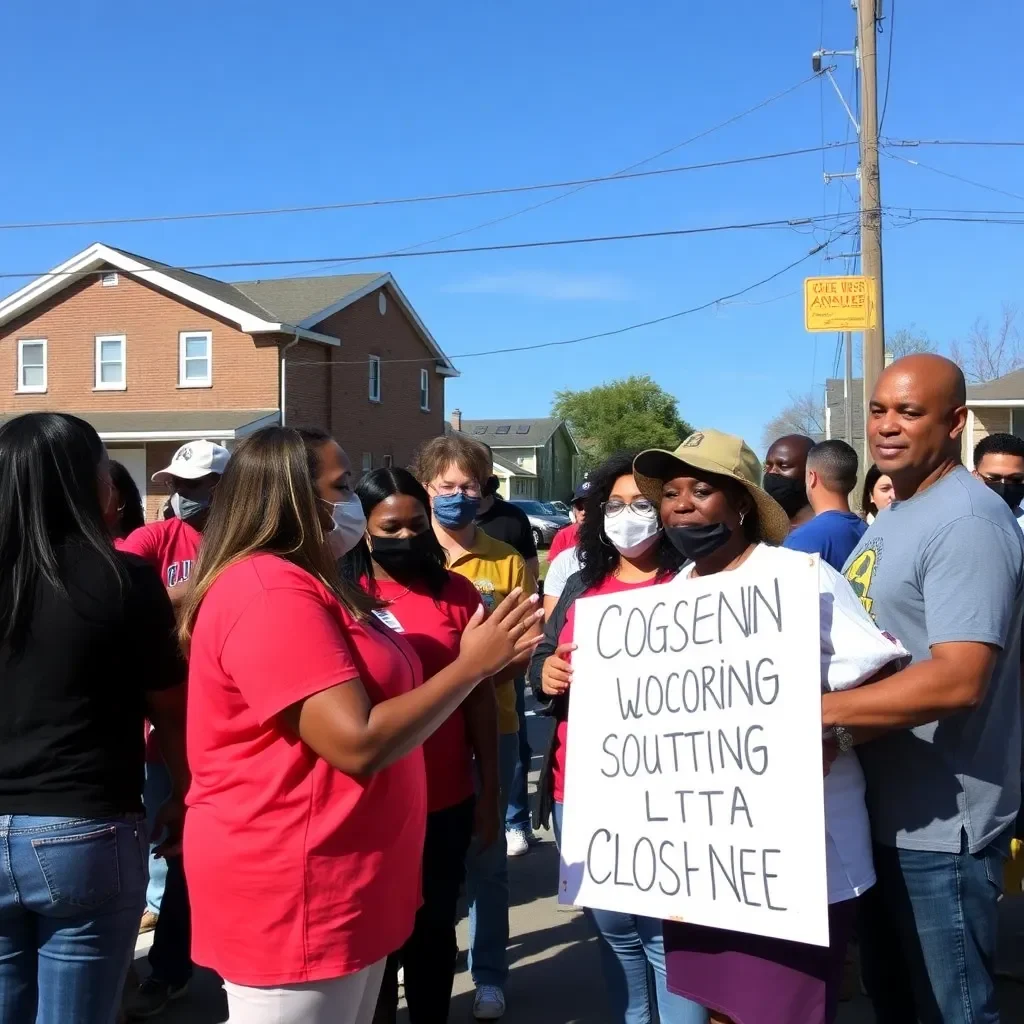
[(374, 488), (867, 503), (130, 514), (49, 497), (267, 501), (598, 559)]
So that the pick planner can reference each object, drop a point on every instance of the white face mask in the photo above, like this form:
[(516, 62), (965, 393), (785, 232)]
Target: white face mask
[(631, 534), (349, 525)]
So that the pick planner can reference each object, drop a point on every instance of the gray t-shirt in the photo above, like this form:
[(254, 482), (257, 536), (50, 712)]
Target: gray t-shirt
[(944, 566)]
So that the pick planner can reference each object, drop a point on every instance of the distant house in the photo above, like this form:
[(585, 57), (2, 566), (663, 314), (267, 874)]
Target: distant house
[(154, 356), (835, 411), (535, 458), (996, 407)]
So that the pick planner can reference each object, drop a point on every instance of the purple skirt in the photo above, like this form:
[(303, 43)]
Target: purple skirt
[(756, 980)]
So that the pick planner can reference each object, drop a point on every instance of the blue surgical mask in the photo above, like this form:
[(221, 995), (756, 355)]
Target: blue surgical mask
[(187, 508), (455, 511)]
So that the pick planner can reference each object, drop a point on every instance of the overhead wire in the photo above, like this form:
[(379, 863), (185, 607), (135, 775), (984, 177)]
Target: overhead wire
[(888, 69), (791, 223), (598, 335), (954, 177)]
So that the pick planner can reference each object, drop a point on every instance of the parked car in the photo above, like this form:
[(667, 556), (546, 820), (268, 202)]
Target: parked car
[(545, 521), (560, 507)]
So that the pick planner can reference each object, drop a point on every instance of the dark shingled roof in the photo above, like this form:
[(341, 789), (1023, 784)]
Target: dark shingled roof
[(512, 433), (293, 299), (1006, 388)]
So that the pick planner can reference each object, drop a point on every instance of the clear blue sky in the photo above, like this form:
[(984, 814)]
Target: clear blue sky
[(161, 108)]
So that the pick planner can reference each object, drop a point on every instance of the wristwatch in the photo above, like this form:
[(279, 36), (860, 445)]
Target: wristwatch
[(843, 738)]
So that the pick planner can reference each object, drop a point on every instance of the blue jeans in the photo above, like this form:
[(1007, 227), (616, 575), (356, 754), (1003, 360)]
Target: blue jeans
[(633, 964), (487, 887), (518, 813), (928, 936), (71, 895), (154, 795)]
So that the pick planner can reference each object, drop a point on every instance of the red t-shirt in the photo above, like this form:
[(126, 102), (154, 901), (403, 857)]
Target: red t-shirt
[(566, 538), (297, 872), (171, 546), (433, 627), (611, 585)]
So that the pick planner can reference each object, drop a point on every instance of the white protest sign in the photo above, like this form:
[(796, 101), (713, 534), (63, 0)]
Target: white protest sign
[(694, 785)]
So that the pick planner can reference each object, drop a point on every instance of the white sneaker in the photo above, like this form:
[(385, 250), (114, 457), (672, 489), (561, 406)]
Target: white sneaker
[(401, 977), (489, 1003), (516, 842)]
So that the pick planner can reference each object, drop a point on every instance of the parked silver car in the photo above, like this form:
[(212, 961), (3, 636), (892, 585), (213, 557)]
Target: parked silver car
[(545, 520)]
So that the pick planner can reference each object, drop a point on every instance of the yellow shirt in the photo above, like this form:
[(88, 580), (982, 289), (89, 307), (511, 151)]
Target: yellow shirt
[(496, 569)]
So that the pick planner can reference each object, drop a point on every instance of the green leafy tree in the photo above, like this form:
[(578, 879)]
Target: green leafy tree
[(621, 415)]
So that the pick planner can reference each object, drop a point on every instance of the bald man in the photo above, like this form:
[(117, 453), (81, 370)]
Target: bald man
[(785, 470), (942, 571)]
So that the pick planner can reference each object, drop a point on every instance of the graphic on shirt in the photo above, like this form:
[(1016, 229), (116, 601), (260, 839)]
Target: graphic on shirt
[(485, 588), (862, 571), (179, 572), (389, 620)]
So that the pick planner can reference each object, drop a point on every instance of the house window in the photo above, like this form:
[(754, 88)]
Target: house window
[(195, 362), (388, 461), (374, 378), (109, 280), (32, 366), (1017, 422), (110, 358), (367, 461), (424, 391)]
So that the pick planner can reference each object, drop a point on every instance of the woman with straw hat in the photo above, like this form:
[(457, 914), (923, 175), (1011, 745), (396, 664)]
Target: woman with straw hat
[(716, 514)]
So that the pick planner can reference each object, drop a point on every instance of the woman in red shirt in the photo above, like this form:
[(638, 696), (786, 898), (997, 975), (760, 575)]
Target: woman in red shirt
[(401, 563), (306, 716), (621, 547)]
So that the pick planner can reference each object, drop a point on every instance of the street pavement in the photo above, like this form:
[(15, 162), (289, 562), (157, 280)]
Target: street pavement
[(555, 972)]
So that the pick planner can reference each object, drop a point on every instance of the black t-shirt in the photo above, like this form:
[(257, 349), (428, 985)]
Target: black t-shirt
[(507, 522), (73, 698)]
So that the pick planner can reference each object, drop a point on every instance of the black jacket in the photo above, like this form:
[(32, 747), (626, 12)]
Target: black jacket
[(558, 707)]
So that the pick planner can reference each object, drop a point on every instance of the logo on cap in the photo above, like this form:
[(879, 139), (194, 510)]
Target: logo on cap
[(693, 440), (185, 453)]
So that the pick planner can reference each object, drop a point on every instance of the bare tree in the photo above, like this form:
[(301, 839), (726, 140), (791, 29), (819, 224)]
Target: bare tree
[(984, 354), (907, 341), (805, 414)]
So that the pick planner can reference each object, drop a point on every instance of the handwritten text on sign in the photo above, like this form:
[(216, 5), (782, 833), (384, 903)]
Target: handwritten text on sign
[(694, 770)]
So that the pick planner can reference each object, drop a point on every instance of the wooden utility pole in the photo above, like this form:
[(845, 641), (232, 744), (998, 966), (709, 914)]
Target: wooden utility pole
[(870, 195)]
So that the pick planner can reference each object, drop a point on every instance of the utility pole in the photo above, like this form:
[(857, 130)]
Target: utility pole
[(847, 388), (870, 196)]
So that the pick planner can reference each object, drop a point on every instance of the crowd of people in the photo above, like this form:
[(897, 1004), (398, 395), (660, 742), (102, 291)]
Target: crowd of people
[(352, 753)]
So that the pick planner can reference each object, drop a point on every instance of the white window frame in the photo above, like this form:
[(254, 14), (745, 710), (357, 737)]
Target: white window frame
[(195, 382), (31, 389), (109, 279), (424, 391), (121, 385), (374, 364), (367, 462)]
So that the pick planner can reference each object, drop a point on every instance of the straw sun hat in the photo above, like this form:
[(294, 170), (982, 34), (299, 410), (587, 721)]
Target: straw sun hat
[(711, 451)]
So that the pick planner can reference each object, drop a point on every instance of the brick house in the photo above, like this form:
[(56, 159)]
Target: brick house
[(154, 356)]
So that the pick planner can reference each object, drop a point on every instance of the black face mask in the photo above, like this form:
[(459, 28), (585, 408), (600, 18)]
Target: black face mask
[(790, 494), (1009, 490), (405, 557), (697, 542)]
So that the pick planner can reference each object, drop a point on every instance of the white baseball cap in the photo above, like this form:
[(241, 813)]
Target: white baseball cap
[(193, 461)]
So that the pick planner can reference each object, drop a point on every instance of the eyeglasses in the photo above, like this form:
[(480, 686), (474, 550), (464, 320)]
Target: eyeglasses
[(447, 490), (641, 506)]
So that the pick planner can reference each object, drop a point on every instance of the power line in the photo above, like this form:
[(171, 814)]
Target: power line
[(955, 177), (625, 170), (790, 223), (405, 200), (888, 69), (1010, 143), (592, 337)]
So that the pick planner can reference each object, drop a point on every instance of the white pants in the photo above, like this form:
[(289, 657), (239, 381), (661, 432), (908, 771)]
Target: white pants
[(348, 1000)]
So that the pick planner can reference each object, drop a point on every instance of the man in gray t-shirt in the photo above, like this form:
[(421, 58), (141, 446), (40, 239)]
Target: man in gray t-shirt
[(943, 571)]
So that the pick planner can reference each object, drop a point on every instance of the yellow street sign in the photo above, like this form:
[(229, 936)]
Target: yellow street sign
[(839, 303)]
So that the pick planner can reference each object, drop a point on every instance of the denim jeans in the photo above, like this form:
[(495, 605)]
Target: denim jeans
[(633, 964), (154, 795), (928, 936), (487, 886), (518, 813), (72, 891)]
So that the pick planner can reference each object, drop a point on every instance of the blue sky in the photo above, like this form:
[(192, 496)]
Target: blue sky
[(160, 108)]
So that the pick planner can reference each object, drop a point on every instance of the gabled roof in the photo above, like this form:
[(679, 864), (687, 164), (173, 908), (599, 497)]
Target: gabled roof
[(509, 467), (510, 433), (290, 305), (175, 425), (1008, 388)]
